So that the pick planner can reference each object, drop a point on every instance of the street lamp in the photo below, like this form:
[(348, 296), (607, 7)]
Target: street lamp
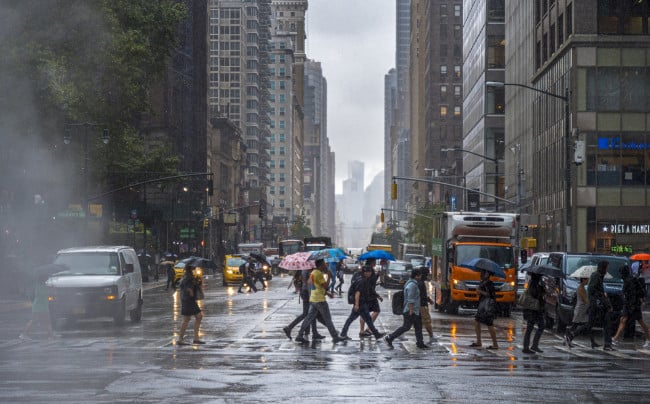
[(496, 169), (567, 148), (67, 138)]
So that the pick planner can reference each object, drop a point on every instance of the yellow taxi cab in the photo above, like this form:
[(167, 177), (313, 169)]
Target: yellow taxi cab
[(179, 269), (231, 272)]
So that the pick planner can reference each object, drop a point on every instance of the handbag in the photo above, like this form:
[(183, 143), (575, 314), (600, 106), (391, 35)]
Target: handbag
[(528, 302), (487, 309)]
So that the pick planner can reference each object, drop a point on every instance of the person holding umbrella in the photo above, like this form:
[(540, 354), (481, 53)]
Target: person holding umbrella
[(534, 316), (486, 291), (40, 308)]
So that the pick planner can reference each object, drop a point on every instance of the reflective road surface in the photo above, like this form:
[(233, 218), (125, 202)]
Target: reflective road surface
[(248, 358)]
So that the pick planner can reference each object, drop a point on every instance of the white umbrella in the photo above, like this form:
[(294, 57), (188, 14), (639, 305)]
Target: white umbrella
[(585, 271)]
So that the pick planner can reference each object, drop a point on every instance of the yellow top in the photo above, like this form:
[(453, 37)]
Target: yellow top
[(318, 292)]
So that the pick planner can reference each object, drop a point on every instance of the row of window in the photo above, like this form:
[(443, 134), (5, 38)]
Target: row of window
[(281, 149), (281, 190), (554, 38), (618, 158), (458, 10), (282, 84), (458, 71), (281, 112), (281, 58), (281, 124), (280, 175), (281, 97), (282, 72), (281, 164)]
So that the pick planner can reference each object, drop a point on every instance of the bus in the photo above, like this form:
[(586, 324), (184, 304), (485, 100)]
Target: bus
[(247, 248), (317, 243), (287, 247)]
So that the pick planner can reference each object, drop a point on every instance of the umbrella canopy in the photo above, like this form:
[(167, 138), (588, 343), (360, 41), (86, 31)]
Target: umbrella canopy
[(585, 271), (484, 264), (204, 263), (328, 254), (378, 255), (260, 257), (297, 261), (547, 270), (640, 257)]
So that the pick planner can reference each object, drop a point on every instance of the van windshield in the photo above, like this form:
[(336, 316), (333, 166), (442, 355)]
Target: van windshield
[(615, 264), (103, 263), (499, 254)]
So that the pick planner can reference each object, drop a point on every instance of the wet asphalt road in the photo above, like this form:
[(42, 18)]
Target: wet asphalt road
[(248, 358)]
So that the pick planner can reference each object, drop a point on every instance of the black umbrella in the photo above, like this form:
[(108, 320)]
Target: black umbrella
[(547, 270), (203, 263), (260, 257)]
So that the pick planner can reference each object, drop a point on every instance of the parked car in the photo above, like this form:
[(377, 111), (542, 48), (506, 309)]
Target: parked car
[(561, 293), (395, 274), (102, 281)]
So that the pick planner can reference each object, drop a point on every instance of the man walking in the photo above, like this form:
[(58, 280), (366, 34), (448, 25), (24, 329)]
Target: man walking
[(304, 297), (318, 303), (245, 270), (362, 296), (411, 312), (373, 304)]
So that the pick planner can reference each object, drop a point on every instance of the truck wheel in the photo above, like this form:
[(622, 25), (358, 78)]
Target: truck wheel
[(120, 314), (451, 308)]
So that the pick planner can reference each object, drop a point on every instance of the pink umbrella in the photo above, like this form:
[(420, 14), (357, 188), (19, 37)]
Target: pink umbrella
[(297, 261)]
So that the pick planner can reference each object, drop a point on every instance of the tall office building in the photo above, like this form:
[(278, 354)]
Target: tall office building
[(596, 52), (287, 96), (390, 124), (483, 107)]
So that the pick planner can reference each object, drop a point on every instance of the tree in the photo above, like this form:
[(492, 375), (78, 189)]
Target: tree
[(420, 227), (299, 228)]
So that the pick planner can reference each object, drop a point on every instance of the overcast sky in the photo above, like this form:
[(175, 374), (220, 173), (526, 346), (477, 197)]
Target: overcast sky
[(355, 42)]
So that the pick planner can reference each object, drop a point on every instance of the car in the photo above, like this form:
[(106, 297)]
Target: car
[(560, 295), (179, 270), (100, 281), (231, 272), (538, 258), (395, 274)]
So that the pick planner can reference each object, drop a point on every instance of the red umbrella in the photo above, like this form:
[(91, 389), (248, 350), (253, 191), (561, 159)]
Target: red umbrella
[(640, 257), (297, 261)]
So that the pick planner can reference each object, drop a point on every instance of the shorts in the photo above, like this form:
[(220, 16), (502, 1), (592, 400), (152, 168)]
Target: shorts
[(425, 316), (633, 314), (373, 306)]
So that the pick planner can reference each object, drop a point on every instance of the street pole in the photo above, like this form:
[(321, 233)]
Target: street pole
[(567, 191)]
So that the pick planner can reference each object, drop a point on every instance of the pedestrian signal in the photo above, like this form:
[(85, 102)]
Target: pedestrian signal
[(381, 217), (206, 223)]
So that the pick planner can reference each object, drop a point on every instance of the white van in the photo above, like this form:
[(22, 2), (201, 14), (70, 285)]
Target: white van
[(98, 282)]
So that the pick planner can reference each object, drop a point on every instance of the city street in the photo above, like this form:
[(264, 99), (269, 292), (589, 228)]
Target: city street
[(248, 358)]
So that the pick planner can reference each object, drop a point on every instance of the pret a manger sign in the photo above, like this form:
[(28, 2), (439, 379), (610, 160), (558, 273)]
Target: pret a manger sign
[(629, 228)]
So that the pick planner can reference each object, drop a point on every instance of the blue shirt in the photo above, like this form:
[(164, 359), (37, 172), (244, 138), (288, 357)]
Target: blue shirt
[(411, 295)]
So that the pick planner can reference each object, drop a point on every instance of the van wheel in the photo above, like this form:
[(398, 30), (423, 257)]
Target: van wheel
[(136, 314), (120, 314)]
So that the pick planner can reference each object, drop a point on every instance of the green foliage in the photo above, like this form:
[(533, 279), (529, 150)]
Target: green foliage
[(421, 228), (299, 229)]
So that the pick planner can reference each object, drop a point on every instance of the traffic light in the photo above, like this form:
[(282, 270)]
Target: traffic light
[(387, 231), (381, 217), (206, 223), (262, 210), (210, 188), (393, 191)]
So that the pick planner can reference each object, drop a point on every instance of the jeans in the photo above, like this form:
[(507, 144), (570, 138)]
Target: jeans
[(594, 316), (304, 296), (410, 320), (533, 318), (365, 315), (316, 308)]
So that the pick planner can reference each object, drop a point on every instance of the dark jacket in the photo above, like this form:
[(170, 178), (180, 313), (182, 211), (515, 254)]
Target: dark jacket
[(367, 292)]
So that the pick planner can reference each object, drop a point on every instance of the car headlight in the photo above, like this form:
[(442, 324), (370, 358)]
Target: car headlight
[(265, 267), (110, 293), (229, 271), (389, 275), (460, 285)]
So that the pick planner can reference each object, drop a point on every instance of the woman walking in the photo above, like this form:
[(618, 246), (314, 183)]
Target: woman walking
[(534, 317), (188, 290), (580, 315), (486, 291), (40, 309)]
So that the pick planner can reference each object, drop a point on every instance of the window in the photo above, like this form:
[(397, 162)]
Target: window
[(272, 163), (281, 163), (272, 190), (457, 111), (281, 111), (282, 72), (496, 54), (443, 111), (282, 153), (282, 138), (443, 50), (283, 45), (560, 30), (282, 85), (443, 71), (283, 98), (282, 203), (458, 10), (271, 111), (282, 125), (272, 124), (443, 10), (282, 190), (617, 89), (282, 58), (617, 158), (443, 92), (282, 179), (272, 150), (272, 84), (458, 71), (458, 91), (495, 102)]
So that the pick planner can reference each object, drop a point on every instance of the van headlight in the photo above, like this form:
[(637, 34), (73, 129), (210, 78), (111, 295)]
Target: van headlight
[(460, 285), (110, 293), (507, 286)]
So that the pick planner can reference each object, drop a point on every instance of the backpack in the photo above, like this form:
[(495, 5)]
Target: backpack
[(354, 283), (397, 303)]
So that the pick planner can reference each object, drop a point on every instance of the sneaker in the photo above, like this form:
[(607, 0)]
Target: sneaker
[(287, 332), (300, 339), (336, 340), (317, 336), (198, 342), (388, 341), (646, 345), (527, 351), (423, 346), (181, 342), (345, 337), (367, 333), (567, 340), (608, 348), (536, 349), (380, 335), (615, 342)]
